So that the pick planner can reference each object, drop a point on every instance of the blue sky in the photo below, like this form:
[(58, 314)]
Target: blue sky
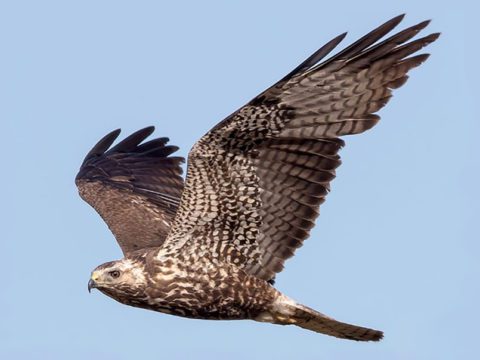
[(397, 243)]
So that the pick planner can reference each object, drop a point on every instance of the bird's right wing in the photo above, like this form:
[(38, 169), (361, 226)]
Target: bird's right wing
[(134, 187)]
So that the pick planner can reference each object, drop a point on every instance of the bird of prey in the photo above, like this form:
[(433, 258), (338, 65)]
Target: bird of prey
[(209, 247)]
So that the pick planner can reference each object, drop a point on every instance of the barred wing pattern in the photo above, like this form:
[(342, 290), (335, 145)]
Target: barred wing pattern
[(135, 187), (255, 181)]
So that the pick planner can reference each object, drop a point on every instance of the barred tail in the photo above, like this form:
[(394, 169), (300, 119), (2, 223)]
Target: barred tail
[(285, 311), (313, 320)]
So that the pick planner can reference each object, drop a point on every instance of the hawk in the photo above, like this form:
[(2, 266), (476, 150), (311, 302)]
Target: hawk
[(209, 247)]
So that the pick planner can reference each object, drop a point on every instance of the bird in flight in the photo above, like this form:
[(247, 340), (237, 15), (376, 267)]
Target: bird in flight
[(209, 247)]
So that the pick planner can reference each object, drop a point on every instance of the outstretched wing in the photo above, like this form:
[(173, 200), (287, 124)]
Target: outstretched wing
[(256, 180), (134, 187)]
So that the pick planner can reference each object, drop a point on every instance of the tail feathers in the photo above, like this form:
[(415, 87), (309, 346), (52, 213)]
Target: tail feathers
[(285, 311), (313, 320)]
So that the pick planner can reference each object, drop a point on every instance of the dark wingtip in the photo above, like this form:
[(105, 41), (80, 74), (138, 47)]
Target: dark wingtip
[(423, 24), (103, 144), (365, 41), (397, 19), (133, 140), (391, 24), (150, 129), (315, 57), (434, 36)]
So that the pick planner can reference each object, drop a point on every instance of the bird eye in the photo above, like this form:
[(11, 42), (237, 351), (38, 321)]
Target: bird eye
[(114, 274)]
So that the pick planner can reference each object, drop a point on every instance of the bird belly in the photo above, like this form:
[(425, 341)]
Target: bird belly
[(207, 290)]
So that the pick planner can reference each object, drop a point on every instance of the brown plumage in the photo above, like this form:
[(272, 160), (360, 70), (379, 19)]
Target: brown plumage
[(252, 192), (144, 176)]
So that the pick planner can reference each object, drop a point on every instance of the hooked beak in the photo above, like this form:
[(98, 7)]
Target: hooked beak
[(91, 285)]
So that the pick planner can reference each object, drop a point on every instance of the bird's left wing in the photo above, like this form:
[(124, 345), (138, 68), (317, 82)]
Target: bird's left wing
[(255, 181), (134, 186)]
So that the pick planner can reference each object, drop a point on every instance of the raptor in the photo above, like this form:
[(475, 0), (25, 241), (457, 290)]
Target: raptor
[(210, 246)]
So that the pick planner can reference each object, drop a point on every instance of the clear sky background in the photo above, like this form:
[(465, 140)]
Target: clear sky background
[(397, 244)]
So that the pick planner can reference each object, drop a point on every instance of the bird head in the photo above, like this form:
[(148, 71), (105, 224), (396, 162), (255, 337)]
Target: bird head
[(122, 279)]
